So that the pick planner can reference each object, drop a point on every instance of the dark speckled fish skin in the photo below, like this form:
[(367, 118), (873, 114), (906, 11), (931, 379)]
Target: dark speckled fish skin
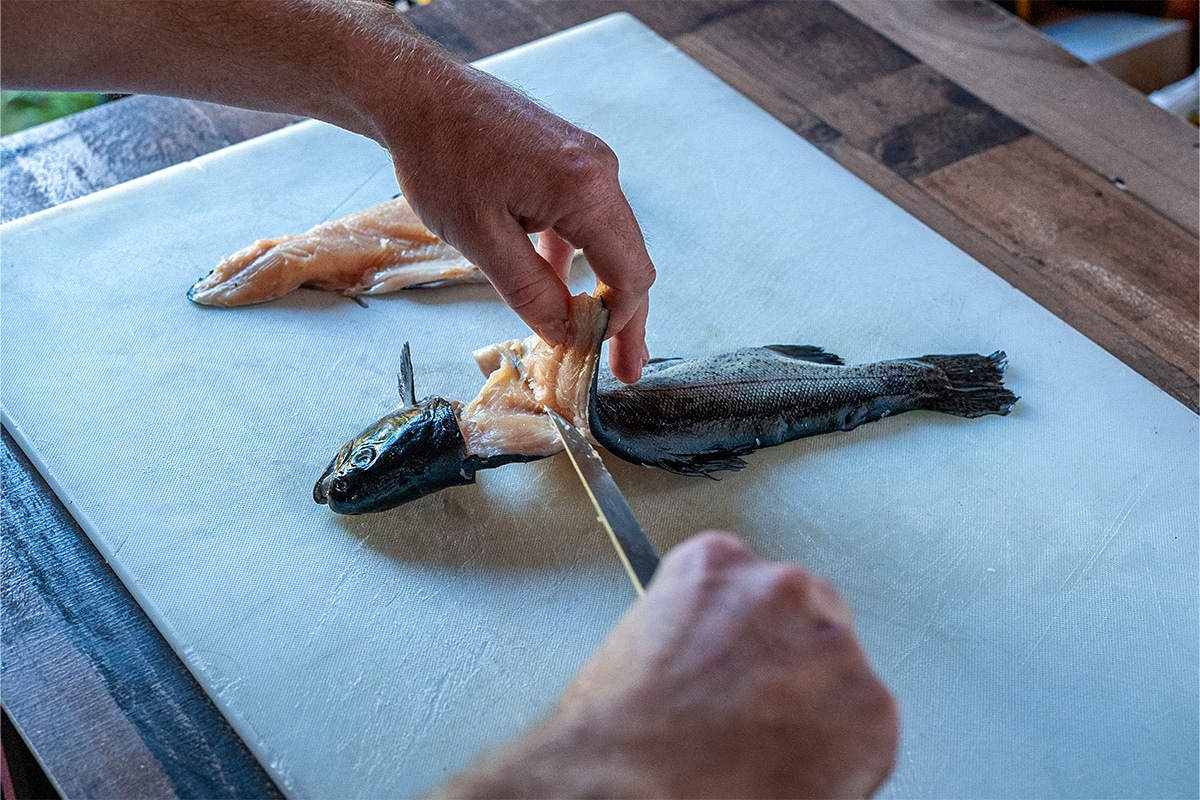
[(699, 416)]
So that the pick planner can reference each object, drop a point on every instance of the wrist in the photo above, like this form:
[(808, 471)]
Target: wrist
[(563, 756), (389, 75)]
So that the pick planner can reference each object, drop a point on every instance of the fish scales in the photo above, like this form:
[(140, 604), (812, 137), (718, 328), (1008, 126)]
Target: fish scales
[(698, 416)]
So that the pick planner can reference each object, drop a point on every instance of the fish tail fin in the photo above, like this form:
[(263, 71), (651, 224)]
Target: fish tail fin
[(976, 385)]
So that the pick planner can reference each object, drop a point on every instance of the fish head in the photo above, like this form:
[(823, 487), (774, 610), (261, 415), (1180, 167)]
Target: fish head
[(409, 453)]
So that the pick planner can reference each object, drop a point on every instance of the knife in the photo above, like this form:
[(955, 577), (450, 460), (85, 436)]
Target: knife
[(612, 509)]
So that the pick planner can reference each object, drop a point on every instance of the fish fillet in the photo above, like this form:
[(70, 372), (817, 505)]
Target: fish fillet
[(380, 249), (527, 376)]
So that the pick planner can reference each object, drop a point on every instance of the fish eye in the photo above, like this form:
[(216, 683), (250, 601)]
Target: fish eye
[(363, 456)]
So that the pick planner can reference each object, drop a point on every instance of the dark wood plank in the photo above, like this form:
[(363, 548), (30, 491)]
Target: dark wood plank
[(90, 682), (113, 143)]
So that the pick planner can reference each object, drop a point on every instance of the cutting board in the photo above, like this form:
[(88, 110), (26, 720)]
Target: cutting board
[(1026, 585)]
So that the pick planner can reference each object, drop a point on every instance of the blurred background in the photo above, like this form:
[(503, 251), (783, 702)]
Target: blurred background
[(1149, 44), (20, 110)]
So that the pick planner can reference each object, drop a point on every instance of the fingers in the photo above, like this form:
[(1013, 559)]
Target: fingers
[(530, 284), (533, 281), (609, 236), (601, 222), (702, 554), (782, 588), (557, 252), (627, 352)]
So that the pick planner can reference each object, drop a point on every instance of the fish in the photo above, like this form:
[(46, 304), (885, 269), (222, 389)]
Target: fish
[(700, 416), (693, 417), (383, 248), (424, 446)]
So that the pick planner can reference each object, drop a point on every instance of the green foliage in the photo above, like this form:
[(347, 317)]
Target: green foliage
[(19, 110)]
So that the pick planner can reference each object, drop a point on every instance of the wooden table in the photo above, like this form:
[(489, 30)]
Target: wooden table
[(1066, 183)]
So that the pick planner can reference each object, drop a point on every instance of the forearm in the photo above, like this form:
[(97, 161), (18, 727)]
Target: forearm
[(308, 57)]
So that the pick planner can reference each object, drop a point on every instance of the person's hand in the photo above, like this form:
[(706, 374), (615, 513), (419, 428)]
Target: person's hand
[(733, 677), (484, 166), (480, 163)]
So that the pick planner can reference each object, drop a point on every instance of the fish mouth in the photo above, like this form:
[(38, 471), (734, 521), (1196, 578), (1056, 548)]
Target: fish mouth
[(322, 486)]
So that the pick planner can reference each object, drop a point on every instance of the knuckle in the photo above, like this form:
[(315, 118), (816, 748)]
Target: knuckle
[(885, 707), (646, 277), (791, 580), (793, 586), (637, 281), (882, 713), (715, 550), (588, 161)]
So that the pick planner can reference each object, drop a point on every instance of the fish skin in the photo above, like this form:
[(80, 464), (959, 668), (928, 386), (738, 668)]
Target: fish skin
[(424, 447), (699, 416)]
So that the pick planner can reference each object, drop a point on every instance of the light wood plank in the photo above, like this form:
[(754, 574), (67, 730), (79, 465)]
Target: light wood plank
[(1088, 113), (1090, 253)]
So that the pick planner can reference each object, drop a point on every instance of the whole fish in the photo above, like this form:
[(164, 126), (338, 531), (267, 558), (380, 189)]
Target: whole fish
[(692, 417)]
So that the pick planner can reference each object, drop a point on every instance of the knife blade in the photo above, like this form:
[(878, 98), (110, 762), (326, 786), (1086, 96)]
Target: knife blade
[(612, 509)]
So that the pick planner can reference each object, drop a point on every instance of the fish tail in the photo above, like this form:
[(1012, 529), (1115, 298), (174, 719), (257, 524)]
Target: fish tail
[(974, 385)]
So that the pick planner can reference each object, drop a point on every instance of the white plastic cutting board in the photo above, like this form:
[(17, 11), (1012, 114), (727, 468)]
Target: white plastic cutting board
[(1026, 585)]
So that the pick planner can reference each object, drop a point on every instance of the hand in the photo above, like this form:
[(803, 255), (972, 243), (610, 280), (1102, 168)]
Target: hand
[(481, 164), (485, 166), (731, 678)]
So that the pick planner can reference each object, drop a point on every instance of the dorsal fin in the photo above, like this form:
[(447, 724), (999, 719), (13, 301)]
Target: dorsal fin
[(804, 352), (404, 378)]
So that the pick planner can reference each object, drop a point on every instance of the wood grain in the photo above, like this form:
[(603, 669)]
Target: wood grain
[(1094, 256), (1109, 127), (92, 685)]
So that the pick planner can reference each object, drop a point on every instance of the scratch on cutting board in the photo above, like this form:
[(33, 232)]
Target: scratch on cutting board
[(436, 697), (331, 600), (941, 565), (955, 758), (1067, 587), (117, 550), (1162, 616)]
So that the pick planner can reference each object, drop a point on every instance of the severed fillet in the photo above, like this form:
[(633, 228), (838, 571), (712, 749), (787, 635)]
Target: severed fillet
[(380, 249)]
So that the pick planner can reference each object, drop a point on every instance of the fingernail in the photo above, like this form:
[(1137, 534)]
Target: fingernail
[(553, 333)]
